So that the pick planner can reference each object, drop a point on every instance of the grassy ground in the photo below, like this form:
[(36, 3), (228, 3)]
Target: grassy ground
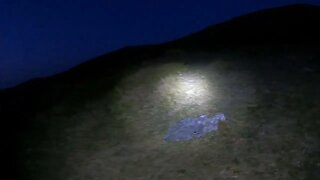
[(271, 130)]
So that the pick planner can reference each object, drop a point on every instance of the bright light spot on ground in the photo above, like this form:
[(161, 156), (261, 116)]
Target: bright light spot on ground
[(186, 89), (192, 86)]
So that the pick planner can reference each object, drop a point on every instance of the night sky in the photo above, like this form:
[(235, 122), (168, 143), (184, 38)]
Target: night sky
[(44, 37)]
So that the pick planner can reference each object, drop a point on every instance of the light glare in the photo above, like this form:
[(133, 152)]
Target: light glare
[(186, 89)]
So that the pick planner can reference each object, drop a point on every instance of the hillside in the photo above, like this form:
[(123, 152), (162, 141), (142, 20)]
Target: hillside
[(100, 119)]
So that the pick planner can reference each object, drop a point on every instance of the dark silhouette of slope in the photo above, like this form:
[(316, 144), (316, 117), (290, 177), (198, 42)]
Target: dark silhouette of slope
[(290, 25)]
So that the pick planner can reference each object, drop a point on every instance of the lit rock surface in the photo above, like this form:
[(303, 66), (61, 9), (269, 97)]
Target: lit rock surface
[(192, 128)]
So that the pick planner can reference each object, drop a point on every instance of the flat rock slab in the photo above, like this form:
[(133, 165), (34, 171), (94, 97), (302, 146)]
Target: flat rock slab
[(192, 128)]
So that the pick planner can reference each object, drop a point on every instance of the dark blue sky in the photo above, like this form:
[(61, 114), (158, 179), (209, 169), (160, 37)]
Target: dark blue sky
[(42, 37)]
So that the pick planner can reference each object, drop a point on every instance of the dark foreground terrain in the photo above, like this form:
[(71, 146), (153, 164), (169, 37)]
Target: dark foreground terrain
[(107, 119)]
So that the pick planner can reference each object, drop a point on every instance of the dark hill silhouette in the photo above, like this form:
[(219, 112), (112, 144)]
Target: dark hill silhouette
[(294, 24)]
